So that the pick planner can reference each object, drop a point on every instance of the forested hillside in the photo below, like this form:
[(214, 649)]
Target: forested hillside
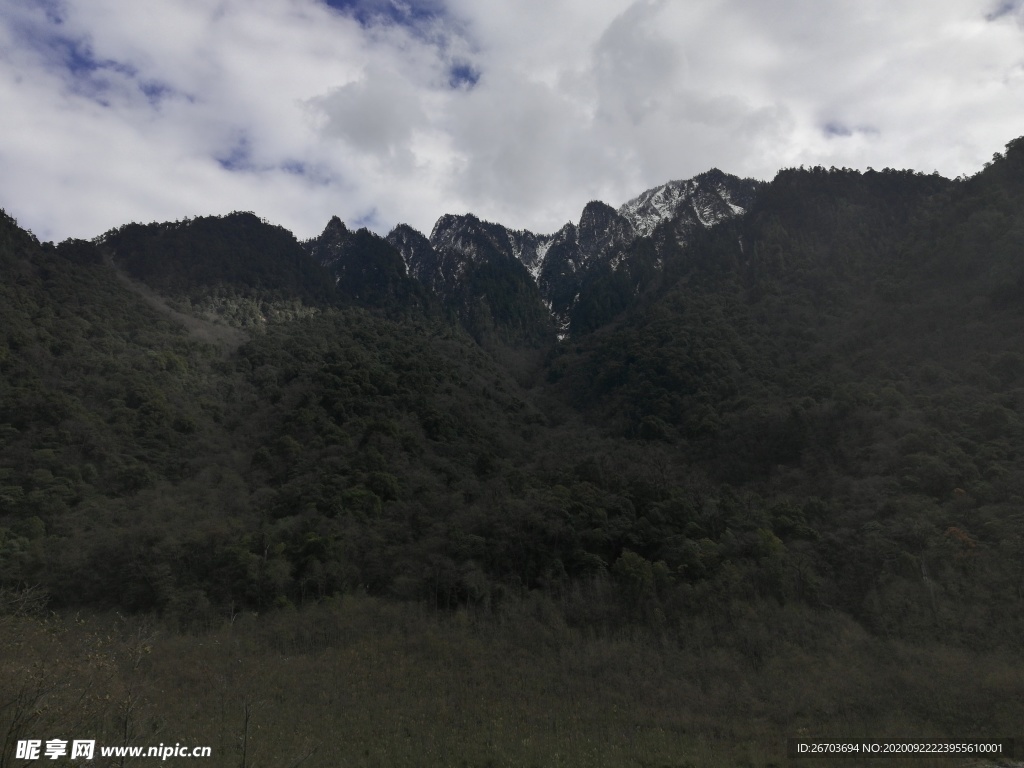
[(800, 421)]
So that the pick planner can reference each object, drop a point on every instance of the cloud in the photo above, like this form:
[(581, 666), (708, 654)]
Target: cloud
[(383, 111), (638, 69), (376, 114)]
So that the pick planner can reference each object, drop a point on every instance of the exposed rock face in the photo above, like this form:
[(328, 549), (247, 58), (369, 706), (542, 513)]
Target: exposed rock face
[(603, 231), (702, 201), (421, 261)]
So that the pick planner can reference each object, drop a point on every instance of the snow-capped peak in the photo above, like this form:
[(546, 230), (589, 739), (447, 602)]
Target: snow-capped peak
[(705, 199)]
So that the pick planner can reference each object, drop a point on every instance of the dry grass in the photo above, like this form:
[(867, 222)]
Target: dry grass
[(367, 683)]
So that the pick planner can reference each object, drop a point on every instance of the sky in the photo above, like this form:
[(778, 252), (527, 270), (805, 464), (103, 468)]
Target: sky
[(389, 111)]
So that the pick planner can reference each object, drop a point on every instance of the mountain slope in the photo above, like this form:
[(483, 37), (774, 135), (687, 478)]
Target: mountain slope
[(200, 254), (815, 403), (854, 340)]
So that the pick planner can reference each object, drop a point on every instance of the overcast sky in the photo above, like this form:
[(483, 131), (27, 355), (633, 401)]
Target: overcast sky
[(520, 111)]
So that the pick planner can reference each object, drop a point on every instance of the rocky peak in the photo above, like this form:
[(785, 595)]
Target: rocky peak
[(702, 201), (335, 227), (471, 238), (420, 258), (330, 244), (602, 229)]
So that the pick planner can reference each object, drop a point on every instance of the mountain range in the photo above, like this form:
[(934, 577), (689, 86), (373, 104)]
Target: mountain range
[(805, 391), (468, 263)]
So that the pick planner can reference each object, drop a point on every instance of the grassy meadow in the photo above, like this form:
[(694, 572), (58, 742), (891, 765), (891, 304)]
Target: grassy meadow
[(365, 682)]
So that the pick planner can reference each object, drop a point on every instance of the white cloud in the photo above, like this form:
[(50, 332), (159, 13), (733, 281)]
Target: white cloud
[(119, 111), (376, 114)]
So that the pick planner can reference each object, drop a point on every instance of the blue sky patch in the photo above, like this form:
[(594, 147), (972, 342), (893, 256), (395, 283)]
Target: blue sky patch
[(463, 75), (86, 74), (155, 91), (295, 167), (837, 130), (238, 157), (407, 14), (1005, 8), (369, 220), (78, 58), (314, 175), (53, 10), (834, 129), (427, 20)]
